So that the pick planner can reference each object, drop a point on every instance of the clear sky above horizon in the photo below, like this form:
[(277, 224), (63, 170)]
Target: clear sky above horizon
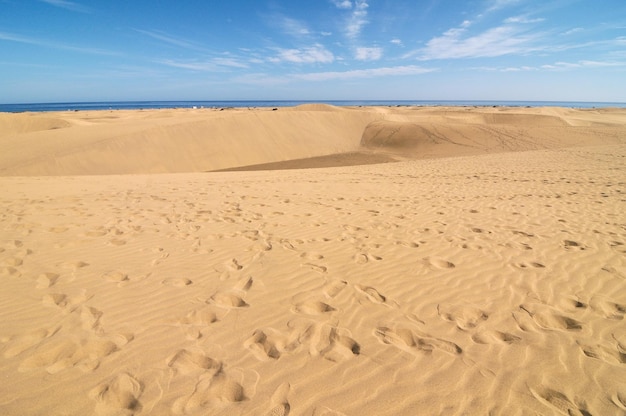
[(88, 50)]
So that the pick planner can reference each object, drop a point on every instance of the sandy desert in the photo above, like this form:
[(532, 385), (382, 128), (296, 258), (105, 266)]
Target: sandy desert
[(313, 260)]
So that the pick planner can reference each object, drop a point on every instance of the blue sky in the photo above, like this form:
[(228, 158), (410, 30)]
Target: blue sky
[(93, 50)]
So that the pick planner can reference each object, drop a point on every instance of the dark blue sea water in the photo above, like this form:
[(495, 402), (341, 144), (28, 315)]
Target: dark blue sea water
[(135, 105)]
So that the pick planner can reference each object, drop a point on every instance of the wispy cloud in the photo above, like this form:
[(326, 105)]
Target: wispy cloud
[(167, 38), (364, 73), (308, 55), (572, 31), (293, 27), (396, 42), (357, 19), (582, 64), (68, 5), (556, 66), (501, 4), (523, 19), (368, 54), (218, 64), (11, 37), (509, 38), (342, 4)]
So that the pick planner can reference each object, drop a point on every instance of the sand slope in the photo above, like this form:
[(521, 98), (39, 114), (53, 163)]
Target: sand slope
[(200, 140), (481, 284)]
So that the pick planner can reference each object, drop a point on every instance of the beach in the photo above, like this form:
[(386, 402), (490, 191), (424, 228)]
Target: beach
[(313, 260)]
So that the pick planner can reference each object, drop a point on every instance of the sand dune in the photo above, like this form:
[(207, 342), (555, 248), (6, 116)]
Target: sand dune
[(490, 282), (199, 140)]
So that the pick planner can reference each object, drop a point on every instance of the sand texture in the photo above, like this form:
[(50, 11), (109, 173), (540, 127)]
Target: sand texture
[(481, 269)]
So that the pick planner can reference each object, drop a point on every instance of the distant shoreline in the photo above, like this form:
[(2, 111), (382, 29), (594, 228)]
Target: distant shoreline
[(145, 105)]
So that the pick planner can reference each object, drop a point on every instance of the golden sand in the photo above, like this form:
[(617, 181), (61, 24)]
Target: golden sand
[(484, 272)]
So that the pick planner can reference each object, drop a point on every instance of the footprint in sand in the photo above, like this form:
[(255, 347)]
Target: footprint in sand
[(197, 319), (90, 318), (187, 362), (46, 280), (363, 258), (415, 341), (58, 230), (608, 308), (73, 265), (177, 282), (552, 320), (409, 244), (118, 396), (495, 337), (333, 287), (227, 300), (573, 245), (279, 405), (313, 307), (315, 267), (329, 342), (371, 294), (20, 343), (60, 354), (619, 400), (287, 245), (212, 389), (604, 353), (529, 265), (438, 263), (312, 256), (115, 276), (9, 272), (98, 232), (233, 265), (571, 304), (518, 246), (271, 344), (64, 302), (522, 233), (244, 284), (14, 244), (464, 316), (12, 262), (333, 344), (558, 401)]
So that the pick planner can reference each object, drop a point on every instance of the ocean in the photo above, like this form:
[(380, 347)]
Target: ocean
[(137, 105)]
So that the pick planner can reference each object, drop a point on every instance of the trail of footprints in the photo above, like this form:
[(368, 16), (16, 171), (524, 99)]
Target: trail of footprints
[(310, 333), (60, 347)]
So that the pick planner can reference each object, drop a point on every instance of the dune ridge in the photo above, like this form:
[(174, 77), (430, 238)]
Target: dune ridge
[(492, 282)]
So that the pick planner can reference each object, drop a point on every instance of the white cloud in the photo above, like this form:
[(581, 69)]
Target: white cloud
[(523, 19), (342, 4), (456, 43), (313, 54), (363, 73), (396, 42), (357, 19), (368, 54)]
